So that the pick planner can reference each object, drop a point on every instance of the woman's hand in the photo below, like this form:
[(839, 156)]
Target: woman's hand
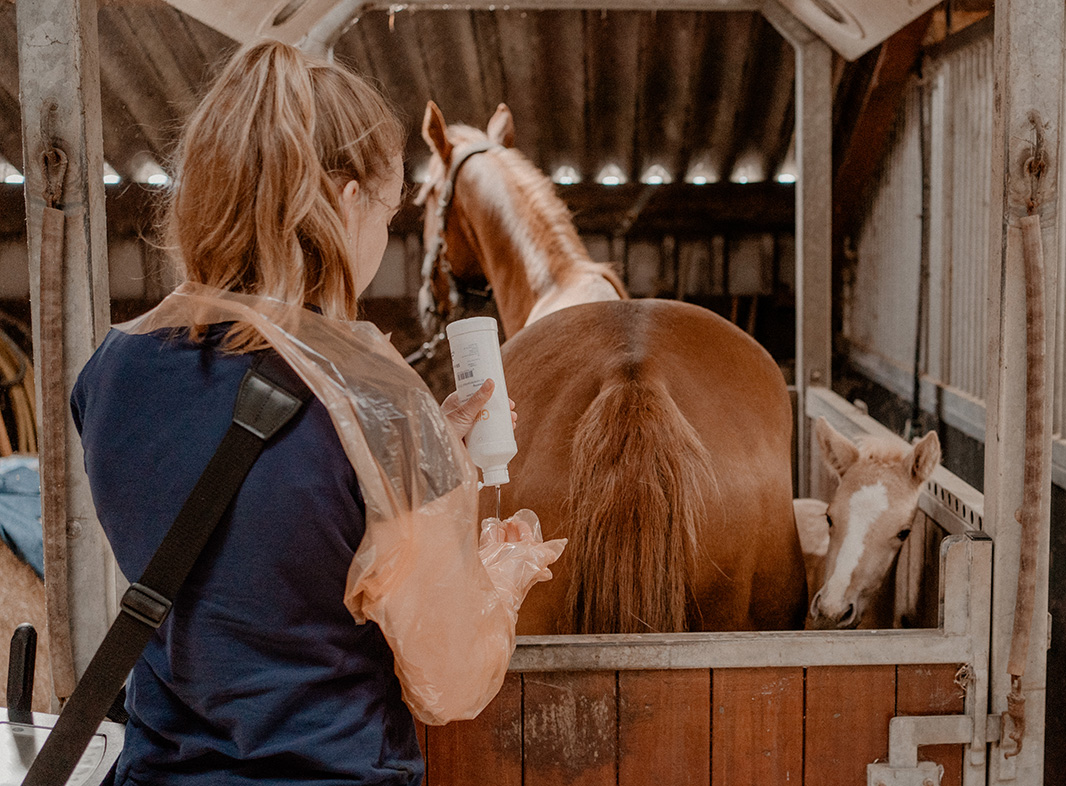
[(461, 417)]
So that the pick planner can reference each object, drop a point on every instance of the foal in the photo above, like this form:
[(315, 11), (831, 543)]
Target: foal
[(869, 518)]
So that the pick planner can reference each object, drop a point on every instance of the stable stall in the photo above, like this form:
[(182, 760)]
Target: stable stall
[(916, 706)]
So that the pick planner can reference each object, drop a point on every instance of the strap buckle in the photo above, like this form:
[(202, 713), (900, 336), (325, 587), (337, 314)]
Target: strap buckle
[(145, 605)]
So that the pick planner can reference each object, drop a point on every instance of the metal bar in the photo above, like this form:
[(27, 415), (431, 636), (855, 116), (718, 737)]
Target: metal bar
[(738, 650), (1028, 56), (965, 568), (813, 223), (954, 504), (906, 733), (59, 83)]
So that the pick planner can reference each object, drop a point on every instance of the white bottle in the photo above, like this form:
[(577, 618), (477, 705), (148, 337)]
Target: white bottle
[(475, 346)]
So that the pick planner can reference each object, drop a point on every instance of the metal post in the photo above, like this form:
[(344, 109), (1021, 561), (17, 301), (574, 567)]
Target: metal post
[(59, 83), (1028, 93), (814, 133)]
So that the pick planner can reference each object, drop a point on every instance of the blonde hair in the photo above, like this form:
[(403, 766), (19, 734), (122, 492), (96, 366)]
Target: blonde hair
[(256, 203)]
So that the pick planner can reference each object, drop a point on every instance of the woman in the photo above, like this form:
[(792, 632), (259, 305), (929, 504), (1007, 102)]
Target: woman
[(289, 172)]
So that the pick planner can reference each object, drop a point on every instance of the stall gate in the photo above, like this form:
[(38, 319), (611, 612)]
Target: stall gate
[(883, 707)]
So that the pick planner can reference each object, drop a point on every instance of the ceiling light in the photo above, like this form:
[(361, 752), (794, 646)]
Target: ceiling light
[(611, 175), (785, 177), (110, 175), (566, 176), (656, 175), (701, 174)]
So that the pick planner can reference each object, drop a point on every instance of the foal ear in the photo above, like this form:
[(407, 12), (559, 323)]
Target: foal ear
[(924, 457), (434, 131), (501, 127), (838, 452)]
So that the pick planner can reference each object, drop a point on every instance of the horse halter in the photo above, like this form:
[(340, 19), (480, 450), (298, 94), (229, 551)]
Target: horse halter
[(436, 259)]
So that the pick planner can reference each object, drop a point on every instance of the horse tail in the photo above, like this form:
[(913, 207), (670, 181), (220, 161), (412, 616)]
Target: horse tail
[(639, 484)]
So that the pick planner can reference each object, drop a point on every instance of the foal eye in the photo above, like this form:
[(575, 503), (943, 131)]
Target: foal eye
[(903, 533), (829, 519)]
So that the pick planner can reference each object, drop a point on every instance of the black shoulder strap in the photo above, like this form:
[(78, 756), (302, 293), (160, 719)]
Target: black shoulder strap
[(270, 395)]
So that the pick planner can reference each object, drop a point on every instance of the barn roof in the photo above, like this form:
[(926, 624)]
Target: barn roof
[(611, 94)]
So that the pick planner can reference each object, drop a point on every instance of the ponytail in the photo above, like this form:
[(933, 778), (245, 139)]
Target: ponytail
[(255, 206)]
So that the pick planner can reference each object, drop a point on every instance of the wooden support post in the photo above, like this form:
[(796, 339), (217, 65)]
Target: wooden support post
[(814, 133), (1029, 37), (59, 83)]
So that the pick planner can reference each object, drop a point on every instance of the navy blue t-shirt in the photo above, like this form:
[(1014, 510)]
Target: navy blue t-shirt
[(260, 674)]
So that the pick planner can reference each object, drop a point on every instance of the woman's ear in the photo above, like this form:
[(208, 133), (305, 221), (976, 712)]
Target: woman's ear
[(350, 199)]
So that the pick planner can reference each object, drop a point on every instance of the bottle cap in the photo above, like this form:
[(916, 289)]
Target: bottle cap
[(471, 325), (495, 476)]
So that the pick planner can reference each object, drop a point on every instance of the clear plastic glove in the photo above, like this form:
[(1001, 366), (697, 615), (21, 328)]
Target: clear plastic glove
[(515, 555)]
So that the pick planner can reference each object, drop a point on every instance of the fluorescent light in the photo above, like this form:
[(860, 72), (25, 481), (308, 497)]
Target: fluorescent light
[(159, 179), (786, 177), (14, 178)]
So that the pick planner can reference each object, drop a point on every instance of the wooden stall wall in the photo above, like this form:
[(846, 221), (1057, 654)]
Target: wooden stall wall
[(819, 726)]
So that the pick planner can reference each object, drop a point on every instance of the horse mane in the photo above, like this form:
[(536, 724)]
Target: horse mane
[(550, 220)]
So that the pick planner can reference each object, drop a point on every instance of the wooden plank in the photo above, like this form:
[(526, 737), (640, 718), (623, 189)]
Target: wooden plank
[(569, 729), (487, 749), (848, 711), (59, 78), (757, 726), (420, 732), (931, 690), (664, 727), (1028, 50)]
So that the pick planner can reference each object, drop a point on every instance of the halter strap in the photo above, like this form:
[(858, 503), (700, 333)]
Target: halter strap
[(438, 247), (436, 255)]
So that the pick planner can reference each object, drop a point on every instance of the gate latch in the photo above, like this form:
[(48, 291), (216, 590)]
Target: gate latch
[(906, 733)]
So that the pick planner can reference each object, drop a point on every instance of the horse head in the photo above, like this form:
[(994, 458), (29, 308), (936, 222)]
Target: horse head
[(869, 518), (452, 262)]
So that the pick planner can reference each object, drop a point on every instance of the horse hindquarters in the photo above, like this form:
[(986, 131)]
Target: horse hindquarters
[(639, 485)]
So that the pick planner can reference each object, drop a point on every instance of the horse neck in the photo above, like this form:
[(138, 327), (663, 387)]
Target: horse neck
[(524, 255)]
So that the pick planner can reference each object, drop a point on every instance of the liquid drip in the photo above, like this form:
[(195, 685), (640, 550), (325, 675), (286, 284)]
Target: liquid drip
[(497, 502)]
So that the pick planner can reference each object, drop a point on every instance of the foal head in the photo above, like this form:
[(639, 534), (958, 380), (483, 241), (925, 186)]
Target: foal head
[(869, 516), (451, 250)]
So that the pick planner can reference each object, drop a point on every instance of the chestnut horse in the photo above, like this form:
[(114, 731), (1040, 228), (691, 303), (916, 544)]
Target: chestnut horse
[(865, 523), (654, 435)]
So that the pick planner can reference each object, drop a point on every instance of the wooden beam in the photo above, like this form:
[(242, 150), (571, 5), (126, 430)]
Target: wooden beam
[(59, 79), (1028, 55), (678, 209)]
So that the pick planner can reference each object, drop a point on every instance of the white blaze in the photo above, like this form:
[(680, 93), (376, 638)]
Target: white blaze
[(864, 508)]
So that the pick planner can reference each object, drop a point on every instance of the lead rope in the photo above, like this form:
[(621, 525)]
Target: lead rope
[(1036, 484), (53, 442)]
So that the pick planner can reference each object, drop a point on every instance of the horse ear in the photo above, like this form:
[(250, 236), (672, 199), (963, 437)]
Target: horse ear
[(924, 457), (434, 131), (838, 452), (501, 127)]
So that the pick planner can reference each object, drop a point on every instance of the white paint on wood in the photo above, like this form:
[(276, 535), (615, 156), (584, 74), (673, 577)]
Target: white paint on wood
[(1029, 39), (60, 90)]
